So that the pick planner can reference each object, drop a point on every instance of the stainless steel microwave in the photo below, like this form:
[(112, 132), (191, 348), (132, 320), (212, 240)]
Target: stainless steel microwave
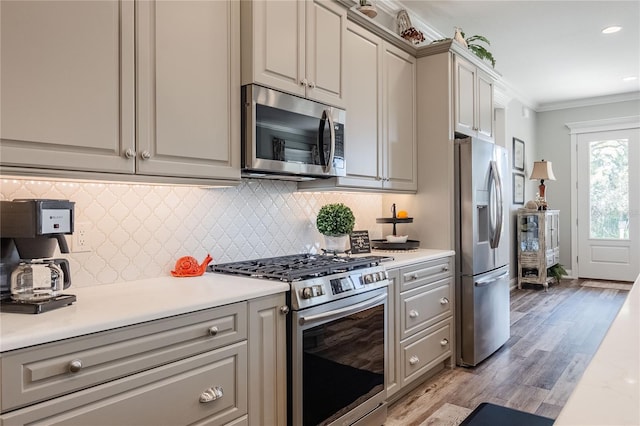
[(288, 137)]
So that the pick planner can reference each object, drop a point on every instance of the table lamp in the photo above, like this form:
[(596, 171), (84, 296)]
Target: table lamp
[(542, 170)]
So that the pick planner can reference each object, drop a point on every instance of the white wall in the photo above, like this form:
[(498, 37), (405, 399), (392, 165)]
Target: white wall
[(554, 143), (520, 122)]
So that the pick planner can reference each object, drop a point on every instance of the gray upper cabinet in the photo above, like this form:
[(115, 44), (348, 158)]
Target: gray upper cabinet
[(67, 99), (473, 100), (296, 46), (380, 141), (121, 90)]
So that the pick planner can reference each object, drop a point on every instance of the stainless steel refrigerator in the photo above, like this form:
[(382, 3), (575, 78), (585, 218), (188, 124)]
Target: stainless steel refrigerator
[(482, 250)]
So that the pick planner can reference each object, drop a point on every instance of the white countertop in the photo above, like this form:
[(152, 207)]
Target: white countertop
[(609, 391), (109, 306)]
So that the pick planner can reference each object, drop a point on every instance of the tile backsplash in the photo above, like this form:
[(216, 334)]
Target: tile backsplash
[(139, 231)]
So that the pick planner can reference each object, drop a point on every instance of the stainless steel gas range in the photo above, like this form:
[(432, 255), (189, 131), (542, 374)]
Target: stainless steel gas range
[(335, 335)]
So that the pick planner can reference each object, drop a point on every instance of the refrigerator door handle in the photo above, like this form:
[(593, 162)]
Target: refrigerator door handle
[(496, 206), (485, 282)]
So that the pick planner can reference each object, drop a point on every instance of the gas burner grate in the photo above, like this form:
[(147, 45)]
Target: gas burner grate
[(297, 267)]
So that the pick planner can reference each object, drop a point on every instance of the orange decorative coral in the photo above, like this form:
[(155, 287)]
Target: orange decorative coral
[(188, 266)]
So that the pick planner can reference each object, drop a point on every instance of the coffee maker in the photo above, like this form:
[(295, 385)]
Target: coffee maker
[(31, 281)]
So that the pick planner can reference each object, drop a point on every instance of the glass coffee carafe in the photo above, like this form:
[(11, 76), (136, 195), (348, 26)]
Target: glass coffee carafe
[(39, 280)]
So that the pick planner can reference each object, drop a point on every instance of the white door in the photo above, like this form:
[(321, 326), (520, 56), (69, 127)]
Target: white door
[(609, 204)]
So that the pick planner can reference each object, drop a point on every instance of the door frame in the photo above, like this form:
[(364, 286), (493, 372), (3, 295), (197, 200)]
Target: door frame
[(580, 127)]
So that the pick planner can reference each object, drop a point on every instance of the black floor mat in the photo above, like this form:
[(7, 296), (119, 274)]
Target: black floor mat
[(487, 414)]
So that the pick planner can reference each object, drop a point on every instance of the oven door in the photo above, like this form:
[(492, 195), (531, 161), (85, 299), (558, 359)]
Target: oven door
[(338, 360)]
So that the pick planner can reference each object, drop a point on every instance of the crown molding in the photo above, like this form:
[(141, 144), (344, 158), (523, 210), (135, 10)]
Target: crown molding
[(597, 100)]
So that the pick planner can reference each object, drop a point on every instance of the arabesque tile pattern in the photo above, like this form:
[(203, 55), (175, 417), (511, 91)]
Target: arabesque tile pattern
[(138, 231)]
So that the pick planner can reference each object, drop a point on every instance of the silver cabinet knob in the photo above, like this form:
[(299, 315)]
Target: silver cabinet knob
[(414, 314), (75, 366), (211, 394), (284, 310), (145, 155), (444, 301), (129, 153), (414, 360), (444, 342), (304, 82), (413, 277), (213, 331), (445, 268), (312, 84)]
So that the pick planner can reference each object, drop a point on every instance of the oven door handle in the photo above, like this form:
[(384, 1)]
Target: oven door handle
[(348, 310)]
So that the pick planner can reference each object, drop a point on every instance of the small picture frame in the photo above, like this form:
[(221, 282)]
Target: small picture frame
[(518, 154), (360, 242), (518, 188)]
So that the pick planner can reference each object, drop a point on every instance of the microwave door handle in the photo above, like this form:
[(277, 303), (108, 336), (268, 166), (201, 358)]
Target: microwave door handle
[(323, 122), (332, 151)]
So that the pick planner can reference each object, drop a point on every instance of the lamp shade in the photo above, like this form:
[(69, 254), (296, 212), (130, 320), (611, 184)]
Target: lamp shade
[(542, 170)]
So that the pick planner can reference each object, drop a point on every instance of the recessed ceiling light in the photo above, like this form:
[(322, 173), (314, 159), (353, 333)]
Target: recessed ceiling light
[(630, 78), (611, 30)]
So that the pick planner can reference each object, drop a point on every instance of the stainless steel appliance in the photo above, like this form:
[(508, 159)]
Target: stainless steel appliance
[(482, 278), (335, 335), (30, 231), (292, 138)]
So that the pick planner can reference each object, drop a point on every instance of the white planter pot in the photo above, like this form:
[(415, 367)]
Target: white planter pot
[(336, 243)]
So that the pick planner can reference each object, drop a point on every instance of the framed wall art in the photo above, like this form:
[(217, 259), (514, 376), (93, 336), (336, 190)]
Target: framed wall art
[(518, 154), (518, 188)]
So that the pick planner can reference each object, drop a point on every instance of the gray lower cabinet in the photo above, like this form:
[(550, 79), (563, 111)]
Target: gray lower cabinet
[(186, 369), (421, 333)]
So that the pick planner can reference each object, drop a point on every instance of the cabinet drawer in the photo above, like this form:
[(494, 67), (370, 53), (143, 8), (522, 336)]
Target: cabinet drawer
[(425, 351), (34, 374), (424, 273), (424, 306), (167, 395)]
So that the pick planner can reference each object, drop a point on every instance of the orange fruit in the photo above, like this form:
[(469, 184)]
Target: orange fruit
[(402, 214)]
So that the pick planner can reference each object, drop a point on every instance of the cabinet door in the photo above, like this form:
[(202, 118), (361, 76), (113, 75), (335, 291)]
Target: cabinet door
[(267, 361), (188, 88), (67, 85), (399, 103), (326, 26), (363, 96), (485, 106), (464, 96), (273, 44)]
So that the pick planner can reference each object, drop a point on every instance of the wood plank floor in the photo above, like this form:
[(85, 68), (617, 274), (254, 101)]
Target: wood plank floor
[(554, 335)]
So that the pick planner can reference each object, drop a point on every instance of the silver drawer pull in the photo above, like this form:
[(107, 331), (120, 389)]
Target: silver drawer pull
[(75, 366), (445, 268), (211, 394), (414, 360), (213, 331), (284, 310), (414, 314), (413, 277), (444, 301), (444, 342)]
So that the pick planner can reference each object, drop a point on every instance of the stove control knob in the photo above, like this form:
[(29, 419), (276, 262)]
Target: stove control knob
[(368, 279), (307, 293)]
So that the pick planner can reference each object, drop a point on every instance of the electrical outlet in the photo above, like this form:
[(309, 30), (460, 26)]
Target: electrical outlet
[(81, 237)]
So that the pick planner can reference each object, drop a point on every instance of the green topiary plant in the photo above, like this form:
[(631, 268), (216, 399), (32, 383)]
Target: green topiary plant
[(557, 271), (335, 219)]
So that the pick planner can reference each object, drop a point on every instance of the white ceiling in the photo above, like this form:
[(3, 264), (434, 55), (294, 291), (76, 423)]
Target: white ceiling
[(548, 52)]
